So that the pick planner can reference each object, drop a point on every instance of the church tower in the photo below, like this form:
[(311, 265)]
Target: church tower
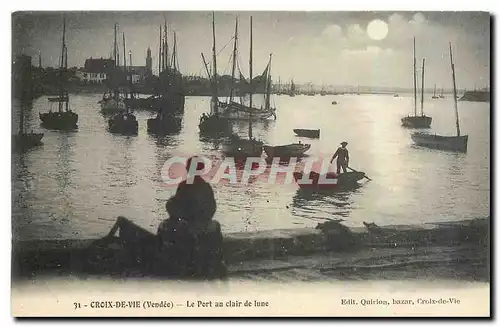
[(149, 62)]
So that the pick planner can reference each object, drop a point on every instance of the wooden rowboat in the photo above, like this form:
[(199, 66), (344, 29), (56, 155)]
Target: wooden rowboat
[(329, 181), (287, 151), (311, 133)]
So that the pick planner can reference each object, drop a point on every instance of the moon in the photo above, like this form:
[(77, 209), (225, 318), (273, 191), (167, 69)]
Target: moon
[(377, 29)]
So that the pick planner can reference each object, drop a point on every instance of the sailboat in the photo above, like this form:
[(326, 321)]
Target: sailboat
[(441, 96), (25, 141), (168, 119), (64, 118), (238, 110), (454, 143), (214, 124), (238, 147), (170, 96), (323, 92), (292, 89), (125, 121), (415, 121), (434, 96), (112, 101)]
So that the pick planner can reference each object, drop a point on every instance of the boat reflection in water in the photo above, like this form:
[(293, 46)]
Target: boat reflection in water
[(306, 201)]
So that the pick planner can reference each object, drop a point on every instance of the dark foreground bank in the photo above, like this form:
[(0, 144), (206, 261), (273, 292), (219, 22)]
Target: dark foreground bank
[(453, 250)]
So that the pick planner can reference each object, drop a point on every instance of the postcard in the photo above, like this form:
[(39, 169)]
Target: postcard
[(251, 163)]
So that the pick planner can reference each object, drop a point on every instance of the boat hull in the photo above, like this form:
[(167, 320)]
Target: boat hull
[(416, 121), (26, 141), (241, 148), (344, 180), (234, 110), (164, 126), (125, 124), (215, 125), (112, 105), (451, 143), (59, 120), (287, 151), (310, 133), (168, 104)]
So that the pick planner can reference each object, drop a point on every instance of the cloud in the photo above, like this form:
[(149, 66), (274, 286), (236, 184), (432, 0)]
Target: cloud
[(332, 32)]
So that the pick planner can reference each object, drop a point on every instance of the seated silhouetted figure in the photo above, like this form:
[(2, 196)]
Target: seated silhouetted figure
[(190, 240)]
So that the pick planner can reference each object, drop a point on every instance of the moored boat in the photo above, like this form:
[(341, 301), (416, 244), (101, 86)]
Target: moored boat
[(24, 141), (164, 124), (125, 122), (244, 148), (310, 133), (440, 142), (416, 121), (286, 151), (112, 100), (63, 118), (214, 124), (328, 181), (453, 143)]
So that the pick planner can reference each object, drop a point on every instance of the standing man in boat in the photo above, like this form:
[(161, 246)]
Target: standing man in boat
[(342, 155)]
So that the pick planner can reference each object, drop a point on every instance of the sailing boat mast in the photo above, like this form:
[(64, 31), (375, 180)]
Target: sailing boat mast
[(414, 77), (454, 92), (251, 90), (231, 94), (423, 87), (268, 84), (215, 97), (61, 68), (160, 63), (173, 63), (165, 48), (434, 90)]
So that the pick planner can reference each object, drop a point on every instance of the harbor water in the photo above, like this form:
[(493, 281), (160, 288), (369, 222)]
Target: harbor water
[(78, 183)]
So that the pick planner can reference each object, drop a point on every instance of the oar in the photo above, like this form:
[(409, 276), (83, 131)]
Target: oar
[(368, 178)]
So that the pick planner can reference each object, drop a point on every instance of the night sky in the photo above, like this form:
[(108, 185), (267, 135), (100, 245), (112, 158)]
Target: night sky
[(319, 47)]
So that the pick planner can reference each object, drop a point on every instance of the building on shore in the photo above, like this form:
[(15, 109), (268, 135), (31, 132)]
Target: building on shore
[(97, 71)]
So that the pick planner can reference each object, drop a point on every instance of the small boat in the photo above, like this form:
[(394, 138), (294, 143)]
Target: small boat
[(215, 125), (434, 96), (415, 121), (396, 95), (112, 103), (310, 133), (63, 118), (24, 141), (164, 124), (334, 102), (439, 142), (112, 100), (242, 148), (287, 151), (453, 143), (441, 96), (123, 123), (332, 180)]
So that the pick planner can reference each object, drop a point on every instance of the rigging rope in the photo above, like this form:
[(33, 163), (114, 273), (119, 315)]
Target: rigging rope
[(225, 45)]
